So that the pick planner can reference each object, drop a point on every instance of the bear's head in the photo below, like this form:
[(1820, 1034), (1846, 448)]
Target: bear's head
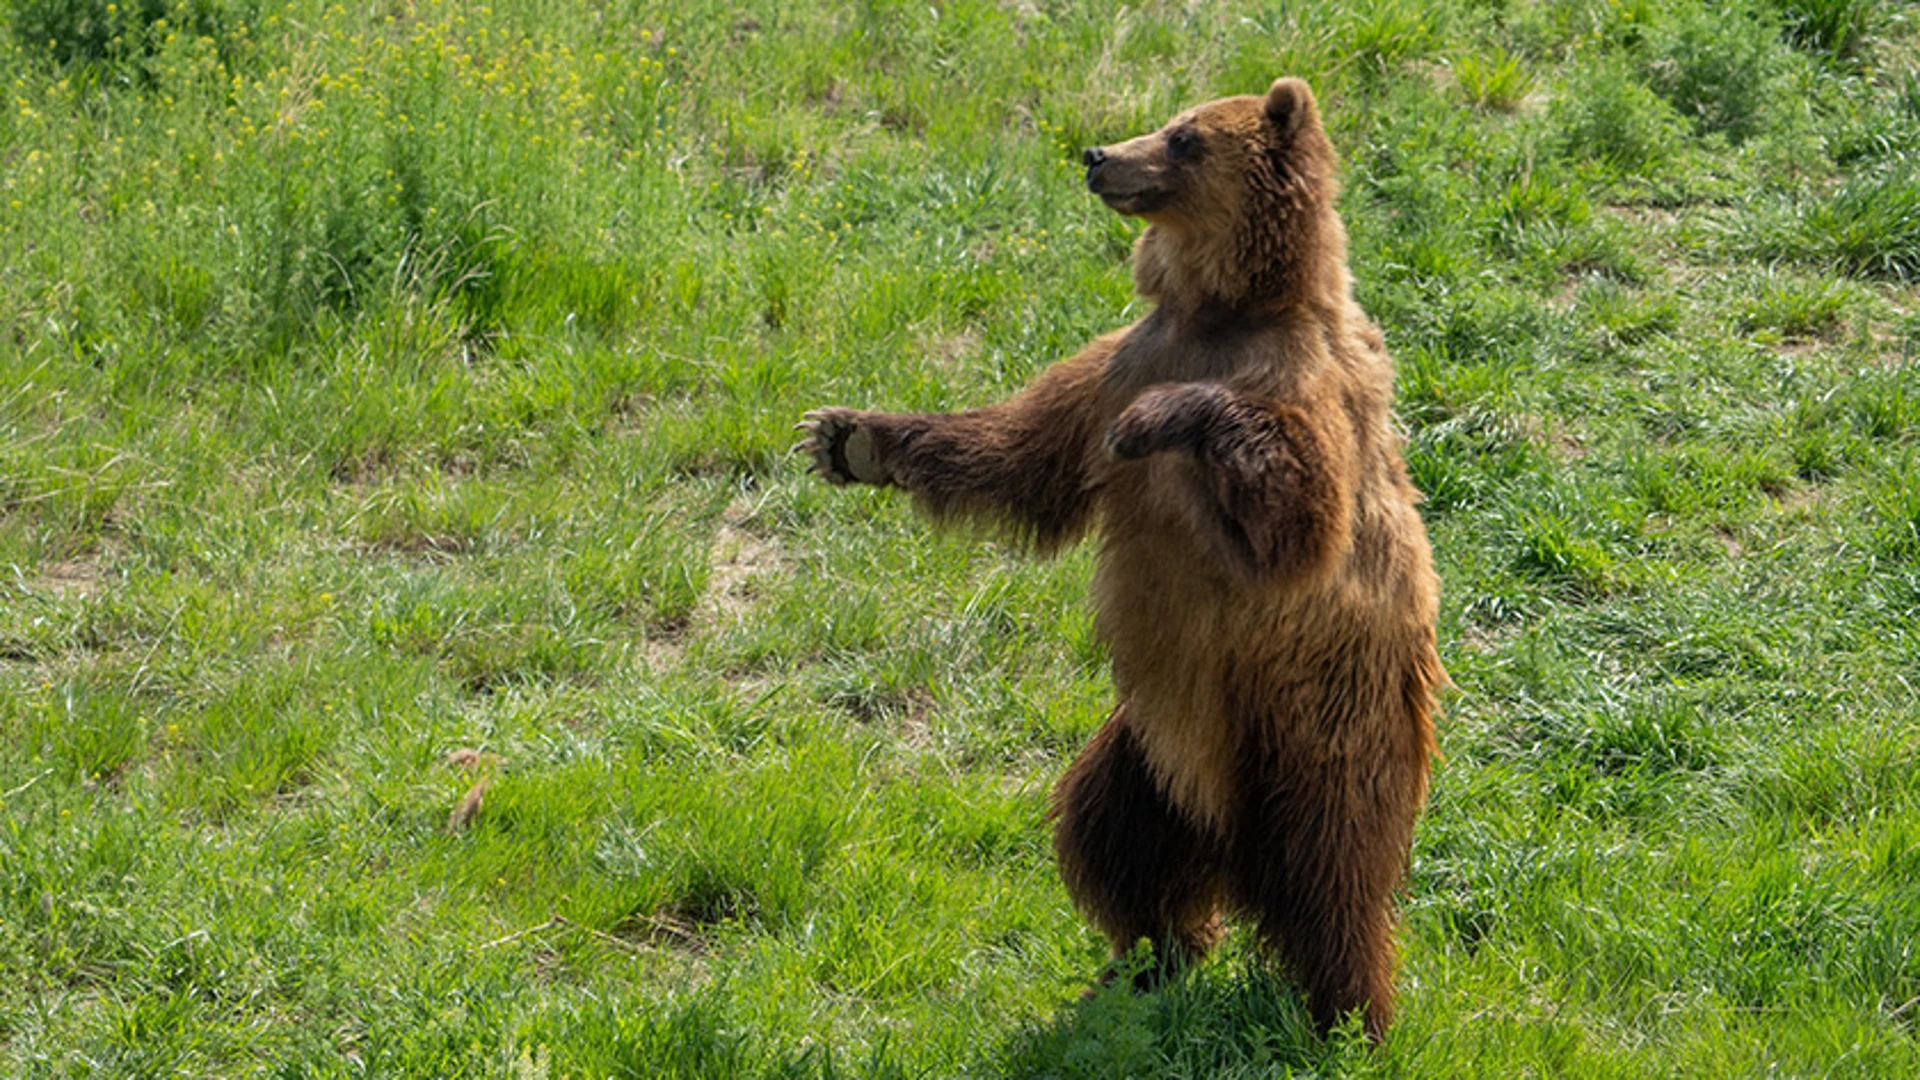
[(1238, 194)]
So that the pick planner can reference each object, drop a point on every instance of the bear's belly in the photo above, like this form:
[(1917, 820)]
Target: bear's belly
[(1211, 667), (1167, 612)]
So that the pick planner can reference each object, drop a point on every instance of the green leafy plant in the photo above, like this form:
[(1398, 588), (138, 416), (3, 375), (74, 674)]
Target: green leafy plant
[(1496, 81)]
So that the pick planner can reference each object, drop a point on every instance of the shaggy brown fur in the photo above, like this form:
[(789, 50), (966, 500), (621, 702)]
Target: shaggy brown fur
[(1264, 579)]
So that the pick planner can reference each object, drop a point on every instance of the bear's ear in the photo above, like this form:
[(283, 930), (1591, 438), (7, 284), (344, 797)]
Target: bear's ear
[(1290, 106)]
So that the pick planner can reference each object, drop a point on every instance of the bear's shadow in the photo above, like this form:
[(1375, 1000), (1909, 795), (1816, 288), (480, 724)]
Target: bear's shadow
[(1227, 1018)]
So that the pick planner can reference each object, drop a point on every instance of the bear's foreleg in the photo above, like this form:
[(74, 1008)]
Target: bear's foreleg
[(1131, 860), (1022, 464), (1268, 495)]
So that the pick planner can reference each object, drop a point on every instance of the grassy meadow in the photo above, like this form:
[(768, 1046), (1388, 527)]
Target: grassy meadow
[(419, 656)]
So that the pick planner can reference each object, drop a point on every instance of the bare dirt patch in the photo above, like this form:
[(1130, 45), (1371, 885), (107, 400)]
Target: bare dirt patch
[(909, 712), (69, 579), (665, 929), (1798, 500), (1567, 446), (949, 352), (736, 559)]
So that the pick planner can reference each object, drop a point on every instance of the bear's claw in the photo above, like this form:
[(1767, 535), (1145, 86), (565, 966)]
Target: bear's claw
[(824, 442)]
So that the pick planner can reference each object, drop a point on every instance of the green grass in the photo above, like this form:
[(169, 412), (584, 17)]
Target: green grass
[(1497, 81), (384, 383)]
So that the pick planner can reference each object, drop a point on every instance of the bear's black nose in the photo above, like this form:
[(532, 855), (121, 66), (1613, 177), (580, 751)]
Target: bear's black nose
[(1093, 156)]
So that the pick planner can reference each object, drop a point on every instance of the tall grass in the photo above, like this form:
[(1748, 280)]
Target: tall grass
[(419, 658)]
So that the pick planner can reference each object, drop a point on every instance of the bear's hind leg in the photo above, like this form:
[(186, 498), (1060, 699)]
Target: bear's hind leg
[(1341, 950), (1320, 879), (1130, 859)]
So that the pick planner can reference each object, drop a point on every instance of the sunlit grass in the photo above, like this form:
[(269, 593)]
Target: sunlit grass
[(393, 416)]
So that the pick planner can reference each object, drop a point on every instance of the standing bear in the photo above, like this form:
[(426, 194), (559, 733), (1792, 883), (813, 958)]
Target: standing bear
[(1264, 581)]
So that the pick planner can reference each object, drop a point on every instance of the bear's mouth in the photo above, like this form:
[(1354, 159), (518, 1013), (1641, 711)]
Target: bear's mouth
[(1135, 203)]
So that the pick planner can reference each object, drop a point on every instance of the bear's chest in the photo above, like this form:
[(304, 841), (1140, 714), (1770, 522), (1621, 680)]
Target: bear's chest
[(1163, 349)]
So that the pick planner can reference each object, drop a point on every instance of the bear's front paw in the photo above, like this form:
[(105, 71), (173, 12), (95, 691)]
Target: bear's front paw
[(1165, 418), (841, 446)]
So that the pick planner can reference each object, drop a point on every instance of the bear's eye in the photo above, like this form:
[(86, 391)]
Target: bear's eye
[(1182, 144)]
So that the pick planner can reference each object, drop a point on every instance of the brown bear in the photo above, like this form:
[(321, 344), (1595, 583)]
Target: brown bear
[(1264, 581)]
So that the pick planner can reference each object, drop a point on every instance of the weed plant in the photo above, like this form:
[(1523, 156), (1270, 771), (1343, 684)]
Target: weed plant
[(419, 657)]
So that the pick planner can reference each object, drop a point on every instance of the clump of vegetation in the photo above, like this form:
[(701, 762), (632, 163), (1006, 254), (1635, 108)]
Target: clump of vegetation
[(1834, 27), (1607, 116), (1497, 81), (1718, 67), (1898, 501), (1869, 226), (109, 34), (1795, 309)]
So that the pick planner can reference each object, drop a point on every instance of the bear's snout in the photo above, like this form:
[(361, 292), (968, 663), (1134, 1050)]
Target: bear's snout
[(1092, 159), (1127, 178)]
